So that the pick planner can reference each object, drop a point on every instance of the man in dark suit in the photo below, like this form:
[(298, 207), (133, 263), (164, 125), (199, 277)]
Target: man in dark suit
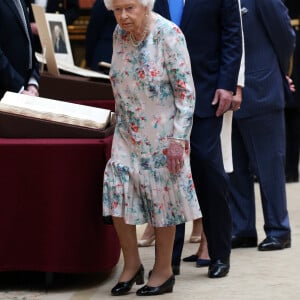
[(213, 33), (292, 110), (99, 35), (258, 133), (19, 70)]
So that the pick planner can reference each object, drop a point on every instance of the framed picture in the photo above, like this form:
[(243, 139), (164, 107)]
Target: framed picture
[(56, 48), (60, 37)]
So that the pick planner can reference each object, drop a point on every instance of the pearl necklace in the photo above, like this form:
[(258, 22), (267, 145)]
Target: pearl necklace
[(135, 43)]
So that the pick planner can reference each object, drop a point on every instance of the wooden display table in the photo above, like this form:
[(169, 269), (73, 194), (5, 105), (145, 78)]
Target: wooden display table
[(71, 87)]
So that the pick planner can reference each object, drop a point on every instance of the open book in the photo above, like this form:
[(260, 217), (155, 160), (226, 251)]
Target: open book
[(62, 115)]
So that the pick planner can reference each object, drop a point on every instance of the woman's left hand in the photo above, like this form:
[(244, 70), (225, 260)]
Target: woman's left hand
[(175, 156)]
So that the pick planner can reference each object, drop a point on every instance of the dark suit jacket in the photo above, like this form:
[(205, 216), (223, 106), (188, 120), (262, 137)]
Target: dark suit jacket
[(99, 35), (269, 44), (14, 49), (70, 8), (213, 33)]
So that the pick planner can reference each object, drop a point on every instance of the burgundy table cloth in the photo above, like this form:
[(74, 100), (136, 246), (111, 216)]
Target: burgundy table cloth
[(50, 207)]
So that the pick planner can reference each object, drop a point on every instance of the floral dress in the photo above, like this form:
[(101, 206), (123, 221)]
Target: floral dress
[(154, 94)]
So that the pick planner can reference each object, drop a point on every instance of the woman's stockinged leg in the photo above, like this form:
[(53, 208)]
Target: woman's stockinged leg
[(128, 241), (162, 269)]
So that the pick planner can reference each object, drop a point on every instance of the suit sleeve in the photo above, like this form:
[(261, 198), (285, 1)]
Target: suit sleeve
[(35, 73), (241, 77), (274, 16), (10, 79), (231, 45)]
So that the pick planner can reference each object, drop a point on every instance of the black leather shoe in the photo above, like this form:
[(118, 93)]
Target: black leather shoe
[(274, 243), (166, 287), (175, 269), (218, 268), (122, 288), (243, 241), (191, 258), (291, 178)]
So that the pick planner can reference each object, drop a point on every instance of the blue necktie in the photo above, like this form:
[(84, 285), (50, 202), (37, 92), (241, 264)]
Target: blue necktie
[(176, 8)]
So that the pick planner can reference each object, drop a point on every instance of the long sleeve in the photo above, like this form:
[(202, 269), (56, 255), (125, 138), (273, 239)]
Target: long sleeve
[(241, 77), (280, 31), (231, 45), (179, 69)]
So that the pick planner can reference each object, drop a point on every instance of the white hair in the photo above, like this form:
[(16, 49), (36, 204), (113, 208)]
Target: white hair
[(146, 3)]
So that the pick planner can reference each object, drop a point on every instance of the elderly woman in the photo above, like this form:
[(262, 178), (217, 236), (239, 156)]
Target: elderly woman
[(148, 177)]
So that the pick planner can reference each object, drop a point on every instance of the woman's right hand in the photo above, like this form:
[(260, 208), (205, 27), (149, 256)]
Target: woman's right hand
[(175, 156)]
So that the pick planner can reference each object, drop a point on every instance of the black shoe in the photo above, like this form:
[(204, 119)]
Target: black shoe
[(202, 263), (122, 288), (166, 287), (218, 268), (291, 178), (243, 241), (274, 243), (175, 270), (191, 258)]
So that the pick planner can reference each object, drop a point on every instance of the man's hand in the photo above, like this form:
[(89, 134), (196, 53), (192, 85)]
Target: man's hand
[(237, 99), (291, 84), (31, 90), (34, 28), (223, 99)]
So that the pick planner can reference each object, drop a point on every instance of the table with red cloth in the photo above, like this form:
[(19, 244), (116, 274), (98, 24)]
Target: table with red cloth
[(50, 208), (51, 204)]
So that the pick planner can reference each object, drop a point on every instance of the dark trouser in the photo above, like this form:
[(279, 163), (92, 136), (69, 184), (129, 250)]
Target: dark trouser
[(211, 184), (258, 145)]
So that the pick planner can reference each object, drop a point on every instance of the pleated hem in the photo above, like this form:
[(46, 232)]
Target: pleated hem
[(149, 196)]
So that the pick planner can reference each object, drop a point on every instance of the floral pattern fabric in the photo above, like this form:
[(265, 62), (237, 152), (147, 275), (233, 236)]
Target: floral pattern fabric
[(154, 94)]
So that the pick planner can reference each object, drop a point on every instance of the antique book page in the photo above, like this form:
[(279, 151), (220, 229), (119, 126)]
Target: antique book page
[(56, 111)]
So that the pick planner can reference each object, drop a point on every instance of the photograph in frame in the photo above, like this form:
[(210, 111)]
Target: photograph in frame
[(60, 37), (58, 57)]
